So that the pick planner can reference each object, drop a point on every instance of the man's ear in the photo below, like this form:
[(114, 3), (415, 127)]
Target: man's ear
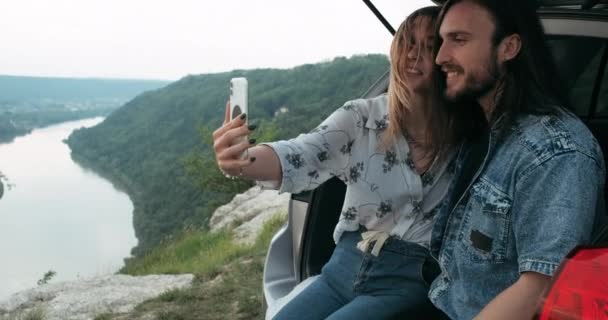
[(509, 47)]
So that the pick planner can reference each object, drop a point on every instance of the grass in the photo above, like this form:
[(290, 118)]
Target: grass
[(195, 251), (228, 282), (103, 316), (34, 314), (270, 227)]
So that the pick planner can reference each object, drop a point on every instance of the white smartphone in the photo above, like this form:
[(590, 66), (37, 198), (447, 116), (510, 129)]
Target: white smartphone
[(238, 103), (238, 97)]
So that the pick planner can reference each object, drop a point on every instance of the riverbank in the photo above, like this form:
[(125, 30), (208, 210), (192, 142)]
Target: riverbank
[(58, 216), (14, 125), (227, 284)]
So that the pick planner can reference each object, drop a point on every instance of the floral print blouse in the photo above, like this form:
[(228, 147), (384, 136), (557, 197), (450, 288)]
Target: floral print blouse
[(384, 192)]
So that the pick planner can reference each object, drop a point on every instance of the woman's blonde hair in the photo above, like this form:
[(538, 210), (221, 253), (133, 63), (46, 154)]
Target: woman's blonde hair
[(399, 91)]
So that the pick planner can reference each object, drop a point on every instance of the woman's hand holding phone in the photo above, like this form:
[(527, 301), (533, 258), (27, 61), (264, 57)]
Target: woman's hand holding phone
[(234, 151), (230, 143)]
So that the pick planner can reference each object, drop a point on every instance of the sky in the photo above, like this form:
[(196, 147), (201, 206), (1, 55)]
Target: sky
[(162, 39)]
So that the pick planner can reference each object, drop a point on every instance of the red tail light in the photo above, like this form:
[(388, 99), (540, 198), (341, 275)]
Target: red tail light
[(580, 287)]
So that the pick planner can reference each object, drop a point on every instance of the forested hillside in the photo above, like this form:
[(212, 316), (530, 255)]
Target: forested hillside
[(156, 146)]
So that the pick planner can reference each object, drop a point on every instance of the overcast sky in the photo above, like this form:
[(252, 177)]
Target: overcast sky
[(170, 39)]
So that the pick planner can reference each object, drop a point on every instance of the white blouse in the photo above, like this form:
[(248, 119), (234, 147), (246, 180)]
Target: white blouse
[(384, 192)]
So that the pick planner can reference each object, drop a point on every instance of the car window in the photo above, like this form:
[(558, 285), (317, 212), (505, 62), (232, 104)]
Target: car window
[(578, 60), (602, 99)]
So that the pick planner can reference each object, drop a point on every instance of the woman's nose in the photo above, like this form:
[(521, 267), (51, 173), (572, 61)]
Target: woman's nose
[(412, 52)]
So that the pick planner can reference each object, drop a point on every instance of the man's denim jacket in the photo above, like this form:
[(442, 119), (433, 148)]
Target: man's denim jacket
[(533, 199)]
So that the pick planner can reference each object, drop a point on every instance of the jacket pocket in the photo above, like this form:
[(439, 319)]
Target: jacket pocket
[(486, 223)]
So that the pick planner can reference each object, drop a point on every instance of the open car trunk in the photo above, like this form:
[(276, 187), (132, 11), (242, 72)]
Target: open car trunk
[(582, 78), (579, 41)]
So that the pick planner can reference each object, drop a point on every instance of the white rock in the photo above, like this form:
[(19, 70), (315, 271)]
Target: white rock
[(85, 299), (247, 232), (248, 211)]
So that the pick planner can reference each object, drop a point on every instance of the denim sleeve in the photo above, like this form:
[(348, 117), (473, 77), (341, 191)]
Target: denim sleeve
[(554, 209), (312, 158)]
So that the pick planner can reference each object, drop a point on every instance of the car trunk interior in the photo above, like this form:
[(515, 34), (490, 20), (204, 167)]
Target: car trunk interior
[(589, 90)]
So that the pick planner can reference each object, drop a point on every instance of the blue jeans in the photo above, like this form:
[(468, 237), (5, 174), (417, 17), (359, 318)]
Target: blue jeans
[(358, 285)]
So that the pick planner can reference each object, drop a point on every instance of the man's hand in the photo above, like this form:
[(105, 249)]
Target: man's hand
[(519, 301)]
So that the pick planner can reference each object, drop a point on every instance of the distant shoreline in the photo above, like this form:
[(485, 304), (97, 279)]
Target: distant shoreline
[(11, 128)]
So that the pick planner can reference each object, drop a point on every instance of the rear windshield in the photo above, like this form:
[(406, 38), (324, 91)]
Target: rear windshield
[(582, 65)]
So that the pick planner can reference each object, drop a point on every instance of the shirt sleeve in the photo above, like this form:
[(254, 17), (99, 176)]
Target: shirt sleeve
[(554, 209), (312, 158)]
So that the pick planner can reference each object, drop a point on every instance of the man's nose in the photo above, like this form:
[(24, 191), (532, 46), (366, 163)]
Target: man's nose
[(442, 55)]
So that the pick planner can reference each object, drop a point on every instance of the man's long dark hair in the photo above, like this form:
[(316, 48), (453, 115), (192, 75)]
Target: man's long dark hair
[(530, 84)]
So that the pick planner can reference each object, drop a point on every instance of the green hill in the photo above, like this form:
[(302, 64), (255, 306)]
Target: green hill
[(27, 103), (147, 146)]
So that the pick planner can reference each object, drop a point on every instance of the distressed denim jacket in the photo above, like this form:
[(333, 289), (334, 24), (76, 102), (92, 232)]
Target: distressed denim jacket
[(533, 199)]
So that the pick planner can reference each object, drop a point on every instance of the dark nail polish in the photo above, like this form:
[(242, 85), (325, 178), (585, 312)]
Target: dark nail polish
[(251, 141), (243, 116), (252, 159), (252, 127)]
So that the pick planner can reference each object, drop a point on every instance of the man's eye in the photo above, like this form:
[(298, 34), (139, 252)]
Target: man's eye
[(460, 40)]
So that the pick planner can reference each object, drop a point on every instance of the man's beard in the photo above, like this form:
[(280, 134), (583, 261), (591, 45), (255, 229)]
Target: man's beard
[(477, 86)]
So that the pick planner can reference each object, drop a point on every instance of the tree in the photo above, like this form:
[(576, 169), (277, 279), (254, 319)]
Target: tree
[(46, 277), (2, 180)]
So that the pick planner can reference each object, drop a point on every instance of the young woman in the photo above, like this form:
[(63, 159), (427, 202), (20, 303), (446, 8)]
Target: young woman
[(393, 153)]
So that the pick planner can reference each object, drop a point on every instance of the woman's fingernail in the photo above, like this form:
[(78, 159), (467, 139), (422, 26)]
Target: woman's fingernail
[(252, 127), (251, 141), (252, 159), (243, 116)]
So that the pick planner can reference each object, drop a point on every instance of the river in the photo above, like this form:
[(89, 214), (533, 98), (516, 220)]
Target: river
[(58, 216)]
